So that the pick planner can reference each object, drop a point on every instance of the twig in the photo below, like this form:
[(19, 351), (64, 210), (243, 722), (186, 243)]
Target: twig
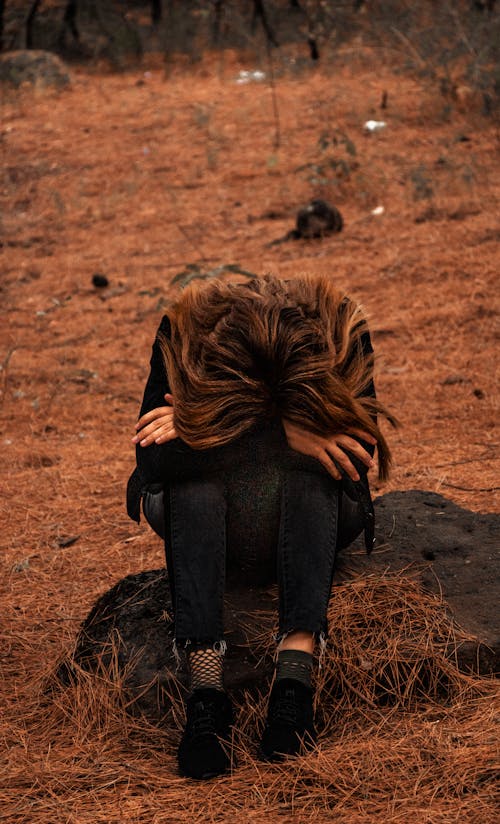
[(465, 461), (358, 692), (470, 488), (277, 133), (460, 29), (409, 45), (193, 243), (3, 370)]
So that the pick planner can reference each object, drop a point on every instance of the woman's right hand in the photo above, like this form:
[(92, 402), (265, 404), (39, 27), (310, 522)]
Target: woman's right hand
[(330, 452), (156, 426)]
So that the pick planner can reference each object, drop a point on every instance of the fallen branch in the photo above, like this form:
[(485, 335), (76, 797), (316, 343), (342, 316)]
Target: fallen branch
[(471, 488)]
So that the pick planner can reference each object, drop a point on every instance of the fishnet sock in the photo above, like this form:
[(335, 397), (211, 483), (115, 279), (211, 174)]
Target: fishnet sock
[(206, 668)]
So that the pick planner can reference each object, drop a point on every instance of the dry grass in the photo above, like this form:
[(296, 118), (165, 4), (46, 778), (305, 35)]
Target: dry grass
[(404, 736), (137, 176)]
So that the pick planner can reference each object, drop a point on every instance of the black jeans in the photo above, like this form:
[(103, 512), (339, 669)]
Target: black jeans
[(263, 517)]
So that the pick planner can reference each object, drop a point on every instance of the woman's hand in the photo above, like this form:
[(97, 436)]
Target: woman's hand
[(328, 450), (156, 426)]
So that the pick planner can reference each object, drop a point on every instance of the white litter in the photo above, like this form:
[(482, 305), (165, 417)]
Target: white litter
[(250, 77), (374, 125), (378, 210)]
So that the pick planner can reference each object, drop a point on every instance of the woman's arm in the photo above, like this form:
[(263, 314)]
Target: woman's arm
[(350, 452), (156, 426), (162, 456)]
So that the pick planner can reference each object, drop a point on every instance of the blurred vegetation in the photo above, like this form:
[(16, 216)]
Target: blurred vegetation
[(454, 44)]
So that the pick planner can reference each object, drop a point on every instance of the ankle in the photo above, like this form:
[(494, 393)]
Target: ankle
[(206, 668), (299, 640), (294, 664)]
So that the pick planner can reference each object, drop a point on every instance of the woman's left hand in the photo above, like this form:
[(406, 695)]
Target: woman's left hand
[(330, 451), (156, 426)]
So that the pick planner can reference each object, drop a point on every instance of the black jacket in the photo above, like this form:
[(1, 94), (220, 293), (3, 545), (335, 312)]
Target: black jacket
[(161, 464)]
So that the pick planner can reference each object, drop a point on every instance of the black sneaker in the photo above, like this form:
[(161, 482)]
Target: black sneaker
[(290, 721), (202, 752)]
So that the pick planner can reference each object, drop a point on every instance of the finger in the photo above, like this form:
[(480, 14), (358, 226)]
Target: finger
[(167, 426), (365, 436), (329, 465), (342, 459), (152, 415), (149, 439), (159, 420), (150, 429), (166, 436), (145, 433), (353, 446), (169, 398)]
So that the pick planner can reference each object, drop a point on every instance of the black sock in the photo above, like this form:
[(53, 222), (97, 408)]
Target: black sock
[(293, 663)]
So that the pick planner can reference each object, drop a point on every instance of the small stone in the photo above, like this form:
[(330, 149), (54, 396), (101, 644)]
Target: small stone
[(99, 280)]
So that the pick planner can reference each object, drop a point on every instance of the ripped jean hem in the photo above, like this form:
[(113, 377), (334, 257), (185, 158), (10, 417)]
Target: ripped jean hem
[(187, 644), (320, 637)]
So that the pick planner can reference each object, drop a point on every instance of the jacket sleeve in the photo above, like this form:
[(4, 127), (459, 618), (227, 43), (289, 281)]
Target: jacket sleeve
[(175, 460), (157, 383), (154, 392)]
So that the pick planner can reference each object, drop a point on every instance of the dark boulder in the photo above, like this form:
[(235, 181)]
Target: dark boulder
[(453, 552), (128, 637), (129, 632)]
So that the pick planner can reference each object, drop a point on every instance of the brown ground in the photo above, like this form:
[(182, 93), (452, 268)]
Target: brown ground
[(136, 176)]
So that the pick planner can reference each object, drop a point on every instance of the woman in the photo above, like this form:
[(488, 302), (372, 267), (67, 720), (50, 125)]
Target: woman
[(259, 419)]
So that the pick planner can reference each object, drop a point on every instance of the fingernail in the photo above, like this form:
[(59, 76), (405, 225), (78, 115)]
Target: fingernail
[(134, 439), (144, 442), (372, 463)]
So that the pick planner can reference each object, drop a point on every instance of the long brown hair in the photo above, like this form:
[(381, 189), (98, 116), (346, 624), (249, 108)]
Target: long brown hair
[(239, 354)]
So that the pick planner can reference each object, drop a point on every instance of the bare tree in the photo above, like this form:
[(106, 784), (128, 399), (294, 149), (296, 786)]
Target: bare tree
[(2, 9), (29, 24)]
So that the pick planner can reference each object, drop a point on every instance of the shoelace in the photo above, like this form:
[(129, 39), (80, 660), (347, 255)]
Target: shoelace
[(203, 722), (284, 710)]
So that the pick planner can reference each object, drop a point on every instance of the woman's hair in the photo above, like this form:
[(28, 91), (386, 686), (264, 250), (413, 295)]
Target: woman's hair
[(240, 354)]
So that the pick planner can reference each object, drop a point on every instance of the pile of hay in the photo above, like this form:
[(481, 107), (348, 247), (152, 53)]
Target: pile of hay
[(404, 736)]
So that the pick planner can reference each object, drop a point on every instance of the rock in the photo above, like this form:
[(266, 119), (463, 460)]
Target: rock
[(129, 631), (317, 220), (39, 68), (99, 280), (453, 551)]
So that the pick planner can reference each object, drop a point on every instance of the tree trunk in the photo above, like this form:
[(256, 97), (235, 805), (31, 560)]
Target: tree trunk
[(29, 24)]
